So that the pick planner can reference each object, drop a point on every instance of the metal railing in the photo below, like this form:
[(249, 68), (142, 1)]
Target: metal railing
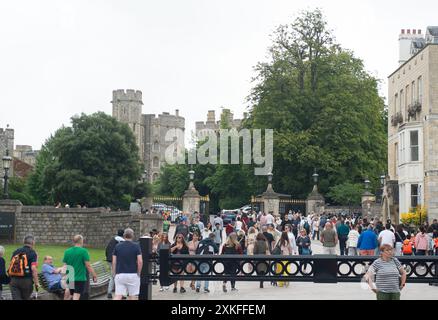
[(313, 268)]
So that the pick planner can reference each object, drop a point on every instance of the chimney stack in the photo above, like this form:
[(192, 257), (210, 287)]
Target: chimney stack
[(177, 112)]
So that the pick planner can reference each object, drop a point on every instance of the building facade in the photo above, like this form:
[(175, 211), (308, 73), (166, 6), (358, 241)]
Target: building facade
[(413, 130), (26, 154), (212, 124), (149, 130)]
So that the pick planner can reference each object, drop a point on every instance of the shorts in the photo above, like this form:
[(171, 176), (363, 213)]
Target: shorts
[(79, 287), (127, 284), (55, 287)]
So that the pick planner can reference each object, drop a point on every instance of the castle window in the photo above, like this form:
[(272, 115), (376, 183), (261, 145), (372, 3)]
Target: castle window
[(156, 162), (156, 146)]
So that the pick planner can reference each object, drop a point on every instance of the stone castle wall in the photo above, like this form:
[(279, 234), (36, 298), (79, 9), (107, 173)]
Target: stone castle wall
[(58, 226)]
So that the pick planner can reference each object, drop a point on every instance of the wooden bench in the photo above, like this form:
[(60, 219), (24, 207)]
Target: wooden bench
[(95, 289), (103, 278)]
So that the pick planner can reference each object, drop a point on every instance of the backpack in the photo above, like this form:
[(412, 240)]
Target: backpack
[(277, 249), (19, 266), (436, 243), (205, 248), (306, 226), (407, 247)]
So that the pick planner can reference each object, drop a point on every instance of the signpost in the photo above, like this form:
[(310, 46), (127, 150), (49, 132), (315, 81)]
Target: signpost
[(7, 225)]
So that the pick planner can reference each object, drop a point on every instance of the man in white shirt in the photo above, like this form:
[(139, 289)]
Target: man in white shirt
[(219, 220), (387, 236), (269, 219)]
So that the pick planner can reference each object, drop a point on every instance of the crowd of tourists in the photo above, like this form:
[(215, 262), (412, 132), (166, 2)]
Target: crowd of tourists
[(247, 234), (292, 234)]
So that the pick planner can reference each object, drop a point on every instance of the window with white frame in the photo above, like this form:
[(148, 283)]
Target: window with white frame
[(414, 195), (414, 145), (420, 89), (402, 148), (413, 92), (402, 106)]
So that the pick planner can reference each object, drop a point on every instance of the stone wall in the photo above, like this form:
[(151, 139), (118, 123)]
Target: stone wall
[(58, 226)]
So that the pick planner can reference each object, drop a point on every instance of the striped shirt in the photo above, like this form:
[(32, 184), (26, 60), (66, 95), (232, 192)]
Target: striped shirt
[(387, 275)]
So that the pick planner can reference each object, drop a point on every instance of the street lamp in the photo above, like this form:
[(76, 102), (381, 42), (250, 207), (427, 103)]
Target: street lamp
[(270, 175), (7, 160), (315, 177), (144, 176), (367, 184), (382, 180), (191, 175)]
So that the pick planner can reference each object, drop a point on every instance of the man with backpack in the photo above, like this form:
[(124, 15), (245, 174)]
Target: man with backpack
[(109, 258), (23, 270), (206, 247)]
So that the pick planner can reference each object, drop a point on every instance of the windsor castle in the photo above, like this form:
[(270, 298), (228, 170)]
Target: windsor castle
[(149, 130)]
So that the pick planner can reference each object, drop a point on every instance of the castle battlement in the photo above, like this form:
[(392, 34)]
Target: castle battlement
[(128, 95)]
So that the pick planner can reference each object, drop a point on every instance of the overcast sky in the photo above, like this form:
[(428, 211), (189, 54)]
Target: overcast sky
[(61, 58)]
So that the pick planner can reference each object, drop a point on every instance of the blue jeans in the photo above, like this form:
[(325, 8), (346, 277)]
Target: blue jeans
[(203, 267)]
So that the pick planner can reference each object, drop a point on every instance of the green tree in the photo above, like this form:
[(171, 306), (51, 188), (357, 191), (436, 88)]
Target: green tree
[(346, 194), (94, 162), (323, 106), (18, 190)]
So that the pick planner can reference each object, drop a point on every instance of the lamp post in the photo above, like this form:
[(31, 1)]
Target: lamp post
[(367, 184), (7, 160), (144, 176), (382, 184), (192, 177), (315, 178)]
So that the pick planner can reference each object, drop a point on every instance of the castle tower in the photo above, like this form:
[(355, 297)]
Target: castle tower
[(127, 109)]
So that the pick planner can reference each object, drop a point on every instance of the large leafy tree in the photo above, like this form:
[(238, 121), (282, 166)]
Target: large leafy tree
[(347, 194), (94, 162), (324, 107)]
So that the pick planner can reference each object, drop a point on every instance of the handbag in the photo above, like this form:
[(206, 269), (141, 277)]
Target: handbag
[(276, 250)]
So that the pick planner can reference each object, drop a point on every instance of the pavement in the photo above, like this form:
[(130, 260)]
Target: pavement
[(295, 290)]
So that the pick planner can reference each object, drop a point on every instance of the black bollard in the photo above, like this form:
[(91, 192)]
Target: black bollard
[(146, 271)]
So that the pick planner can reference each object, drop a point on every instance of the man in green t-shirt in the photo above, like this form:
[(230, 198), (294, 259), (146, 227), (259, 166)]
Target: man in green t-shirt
[(77, 261)]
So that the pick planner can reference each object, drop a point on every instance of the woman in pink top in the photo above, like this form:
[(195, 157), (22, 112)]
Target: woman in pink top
[(421, 242), (286, 250), (193, 245)]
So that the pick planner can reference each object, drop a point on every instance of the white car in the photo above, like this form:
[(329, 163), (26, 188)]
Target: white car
[(246, 209)]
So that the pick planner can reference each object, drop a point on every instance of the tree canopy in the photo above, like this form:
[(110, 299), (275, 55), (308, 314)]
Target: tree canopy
[(94, 162), (324, 107)]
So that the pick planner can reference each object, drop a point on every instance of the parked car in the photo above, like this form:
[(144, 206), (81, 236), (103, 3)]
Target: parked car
[(228, 216), (174, 211), (246, 209)]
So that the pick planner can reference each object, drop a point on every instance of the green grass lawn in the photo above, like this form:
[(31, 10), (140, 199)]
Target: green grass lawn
[(56, 251)]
